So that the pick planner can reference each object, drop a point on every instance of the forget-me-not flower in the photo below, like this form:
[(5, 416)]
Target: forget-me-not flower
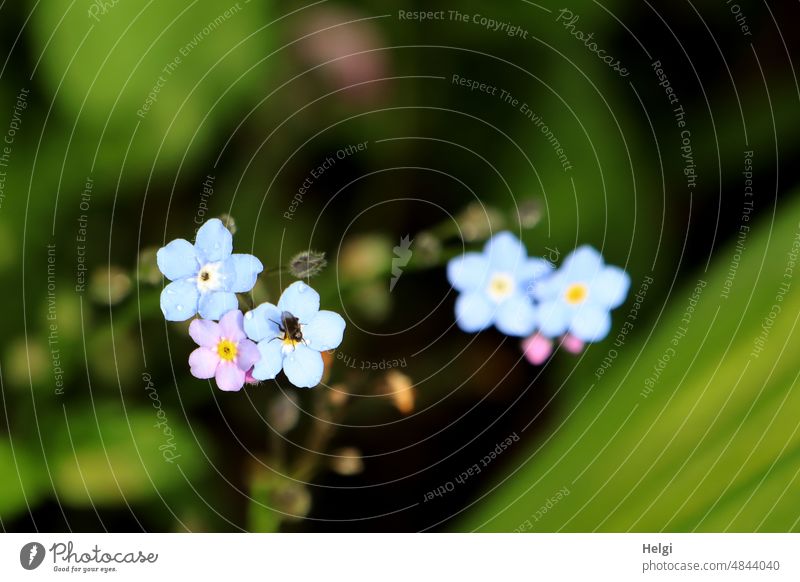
[(495, 286), (537, 349), (205, 276), (577, 299), (292, 334), (225, 353)]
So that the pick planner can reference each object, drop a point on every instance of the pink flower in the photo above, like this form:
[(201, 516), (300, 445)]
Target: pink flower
[(225, 353), (573, 344), (537, 349), (248, 377)]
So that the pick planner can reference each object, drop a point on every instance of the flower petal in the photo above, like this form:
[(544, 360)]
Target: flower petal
[(590, 323), (516, 316), (214, 242), (247, 355), (215, 304), (241, 272), (474, 312), (468, 272), (177, 260), (303, 366), (550, 287), (203, 363), (537, 349), (533, 271), (271, 360), (582, 264), (230, 326), (230, 377), (610, 288), (324, 332), (572, 344), (179, 300), (554, 318), (505, 252), (204, 332), (300, 300), (262, 322)]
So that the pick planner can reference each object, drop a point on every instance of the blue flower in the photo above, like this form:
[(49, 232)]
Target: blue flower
[(205, 276), (495, 285), (578, 298), (292, 334)]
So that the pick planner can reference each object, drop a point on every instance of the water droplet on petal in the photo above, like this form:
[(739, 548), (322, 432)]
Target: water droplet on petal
[(301, 288), (179, 307), (248, 315)]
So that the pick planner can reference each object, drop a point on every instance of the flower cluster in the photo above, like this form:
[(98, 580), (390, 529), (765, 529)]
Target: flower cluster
[(528, 297), (236, 348)]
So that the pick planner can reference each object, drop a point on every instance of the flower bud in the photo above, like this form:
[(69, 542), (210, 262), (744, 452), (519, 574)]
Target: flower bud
[(229, 222), (400, 388), (530, 212), (284, 412), (347, 461), (109, 285), (28, 363), (428, 248), (478, 222), (148, 267), (293, 499), (365, 257), (307, 264), (572, 344), (338, 395), (537, 349)]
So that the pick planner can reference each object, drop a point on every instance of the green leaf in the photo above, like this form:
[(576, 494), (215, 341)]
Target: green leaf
[(260, 517), (133, 455), (708, 440), (24, 481), (167, 73), (592, 162)]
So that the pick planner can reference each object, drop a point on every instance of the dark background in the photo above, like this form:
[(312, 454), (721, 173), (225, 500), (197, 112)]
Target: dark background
[(263, 99)]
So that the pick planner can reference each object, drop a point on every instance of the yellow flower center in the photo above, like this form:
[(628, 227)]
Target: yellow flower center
[(576, 293), (226, 350), (288, 342), (501, 285)]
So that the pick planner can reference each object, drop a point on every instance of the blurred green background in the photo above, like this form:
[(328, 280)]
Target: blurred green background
[(127, 124)]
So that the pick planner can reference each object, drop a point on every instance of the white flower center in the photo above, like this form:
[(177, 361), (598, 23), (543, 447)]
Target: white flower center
[(501, 287), (209, 277)]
